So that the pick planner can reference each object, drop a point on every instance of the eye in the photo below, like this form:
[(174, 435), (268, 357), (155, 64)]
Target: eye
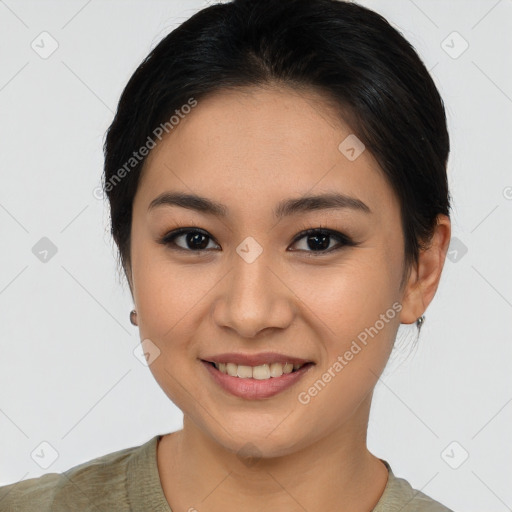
[(193, 239), (319, 240)]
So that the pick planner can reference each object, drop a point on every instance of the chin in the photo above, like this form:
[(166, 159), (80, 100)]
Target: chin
[(260, 443)]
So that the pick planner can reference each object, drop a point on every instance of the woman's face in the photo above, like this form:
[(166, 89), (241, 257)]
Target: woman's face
[(248, 282)]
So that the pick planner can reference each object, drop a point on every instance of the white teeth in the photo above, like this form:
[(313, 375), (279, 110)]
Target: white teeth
[(288, 368), (244, 372), (276, 370), (261, 372), (231, 369)]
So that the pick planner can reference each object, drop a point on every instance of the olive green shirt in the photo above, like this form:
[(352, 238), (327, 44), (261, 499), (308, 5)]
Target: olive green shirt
[(128, 480)]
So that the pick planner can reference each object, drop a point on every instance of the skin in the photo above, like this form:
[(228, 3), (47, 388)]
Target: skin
[(250, 149)]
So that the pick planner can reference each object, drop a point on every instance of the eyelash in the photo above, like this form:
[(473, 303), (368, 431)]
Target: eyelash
[(344, 240)]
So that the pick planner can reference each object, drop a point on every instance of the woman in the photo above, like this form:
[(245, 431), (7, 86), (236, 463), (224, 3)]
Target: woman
[(276, 172)]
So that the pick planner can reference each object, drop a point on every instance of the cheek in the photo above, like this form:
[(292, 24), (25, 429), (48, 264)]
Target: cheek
[(155, 288), (163, 297), (170, 297), (354, 310), (350, 294), (356, 318)]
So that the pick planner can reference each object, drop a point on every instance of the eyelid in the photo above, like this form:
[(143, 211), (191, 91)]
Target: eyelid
[(343, 239), (308, 230), (170, 236)]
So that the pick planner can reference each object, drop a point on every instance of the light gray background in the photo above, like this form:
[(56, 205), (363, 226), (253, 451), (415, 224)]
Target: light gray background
[(68, 373)]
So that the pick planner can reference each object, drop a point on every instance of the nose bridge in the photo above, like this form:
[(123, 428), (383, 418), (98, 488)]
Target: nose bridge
[(253, 298), (252, 280)]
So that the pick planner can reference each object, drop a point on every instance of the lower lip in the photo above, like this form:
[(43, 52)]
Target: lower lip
[(254, 389)]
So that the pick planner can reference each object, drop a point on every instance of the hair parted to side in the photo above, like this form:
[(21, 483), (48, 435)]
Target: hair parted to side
[(346, 52)]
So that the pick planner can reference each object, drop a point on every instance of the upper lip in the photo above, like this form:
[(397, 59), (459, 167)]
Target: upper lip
[(255, 359)]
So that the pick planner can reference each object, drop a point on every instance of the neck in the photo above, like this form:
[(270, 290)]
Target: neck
[(335, 473)]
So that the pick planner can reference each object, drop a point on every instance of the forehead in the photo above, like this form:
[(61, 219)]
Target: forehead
[(251, 146)]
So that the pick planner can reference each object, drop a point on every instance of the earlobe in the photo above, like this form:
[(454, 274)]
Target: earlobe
[(425, 277)]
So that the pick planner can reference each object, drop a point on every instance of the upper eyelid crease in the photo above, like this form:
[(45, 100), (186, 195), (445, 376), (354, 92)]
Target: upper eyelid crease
[(284, 208), (342, 239)]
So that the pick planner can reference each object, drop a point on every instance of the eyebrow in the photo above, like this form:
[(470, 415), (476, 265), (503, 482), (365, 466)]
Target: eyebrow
[(285, 208)]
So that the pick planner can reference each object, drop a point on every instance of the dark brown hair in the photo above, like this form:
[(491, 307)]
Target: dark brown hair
[(347, 52)]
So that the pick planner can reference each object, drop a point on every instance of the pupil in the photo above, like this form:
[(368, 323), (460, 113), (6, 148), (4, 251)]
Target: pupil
[(315, 242), (193, 238), (324, 238)]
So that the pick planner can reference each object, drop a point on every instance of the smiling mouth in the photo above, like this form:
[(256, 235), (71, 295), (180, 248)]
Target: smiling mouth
[(260, 372)]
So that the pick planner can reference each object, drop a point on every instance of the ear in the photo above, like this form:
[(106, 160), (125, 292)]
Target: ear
[(424, 278)]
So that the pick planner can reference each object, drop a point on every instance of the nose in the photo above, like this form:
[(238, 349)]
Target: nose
[(254, 298)]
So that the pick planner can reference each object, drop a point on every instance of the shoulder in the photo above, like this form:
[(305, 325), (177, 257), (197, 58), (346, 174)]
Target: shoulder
[(399, 495), (100, 483)]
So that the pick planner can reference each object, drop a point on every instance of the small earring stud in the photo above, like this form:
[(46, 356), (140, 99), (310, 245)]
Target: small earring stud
[(420, 321), (133, 317)]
